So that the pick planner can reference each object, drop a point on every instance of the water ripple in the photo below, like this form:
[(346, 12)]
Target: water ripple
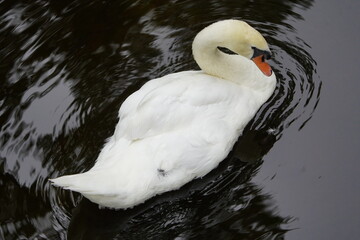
[(66, 68)]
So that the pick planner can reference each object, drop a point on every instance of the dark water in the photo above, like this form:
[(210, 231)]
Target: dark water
[(66, 67)]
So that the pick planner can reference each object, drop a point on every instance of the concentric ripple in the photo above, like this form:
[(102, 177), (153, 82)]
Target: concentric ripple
[(65, 69)]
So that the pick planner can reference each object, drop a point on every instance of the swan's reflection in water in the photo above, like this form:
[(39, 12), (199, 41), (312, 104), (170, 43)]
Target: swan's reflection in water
[(222, 205)]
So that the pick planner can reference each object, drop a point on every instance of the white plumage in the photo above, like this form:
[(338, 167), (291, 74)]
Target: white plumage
[(181, 126)]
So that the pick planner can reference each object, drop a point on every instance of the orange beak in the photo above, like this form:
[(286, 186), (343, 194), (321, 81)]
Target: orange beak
[(262, 65)]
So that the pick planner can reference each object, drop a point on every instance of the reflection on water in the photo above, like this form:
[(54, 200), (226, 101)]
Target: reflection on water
[(66, 67)]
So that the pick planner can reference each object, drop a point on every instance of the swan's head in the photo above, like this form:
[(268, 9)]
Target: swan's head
[(232, 37)]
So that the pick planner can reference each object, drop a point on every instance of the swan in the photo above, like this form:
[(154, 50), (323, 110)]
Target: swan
[(181, 126)]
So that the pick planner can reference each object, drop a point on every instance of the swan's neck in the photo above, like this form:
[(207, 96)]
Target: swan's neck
[(235, 68)]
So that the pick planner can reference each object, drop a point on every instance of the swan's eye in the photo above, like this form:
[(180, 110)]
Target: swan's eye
[(226, 51)]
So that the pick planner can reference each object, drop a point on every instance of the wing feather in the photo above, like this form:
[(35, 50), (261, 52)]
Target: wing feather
[(168, 104)]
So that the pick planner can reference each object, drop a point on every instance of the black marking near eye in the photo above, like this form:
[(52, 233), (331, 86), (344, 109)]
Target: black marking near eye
[(226, 51), (161, 172), (257, 52)]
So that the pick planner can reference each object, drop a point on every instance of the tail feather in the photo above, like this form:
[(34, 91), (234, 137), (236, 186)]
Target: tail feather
[(94, 187), (83, 183)]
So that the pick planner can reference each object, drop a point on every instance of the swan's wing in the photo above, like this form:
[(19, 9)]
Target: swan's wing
[(169, 132), (168, 104)]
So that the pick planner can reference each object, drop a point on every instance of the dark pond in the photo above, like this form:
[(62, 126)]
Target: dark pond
[(66, 67)]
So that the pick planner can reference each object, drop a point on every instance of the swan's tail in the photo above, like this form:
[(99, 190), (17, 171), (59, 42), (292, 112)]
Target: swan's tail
[(99, 188), (84, 183)]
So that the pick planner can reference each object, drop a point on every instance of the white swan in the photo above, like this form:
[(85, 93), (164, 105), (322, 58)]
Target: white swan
[(181, 126)]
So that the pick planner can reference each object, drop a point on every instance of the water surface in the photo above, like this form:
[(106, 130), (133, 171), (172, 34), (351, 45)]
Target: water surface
[(66, 67)]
